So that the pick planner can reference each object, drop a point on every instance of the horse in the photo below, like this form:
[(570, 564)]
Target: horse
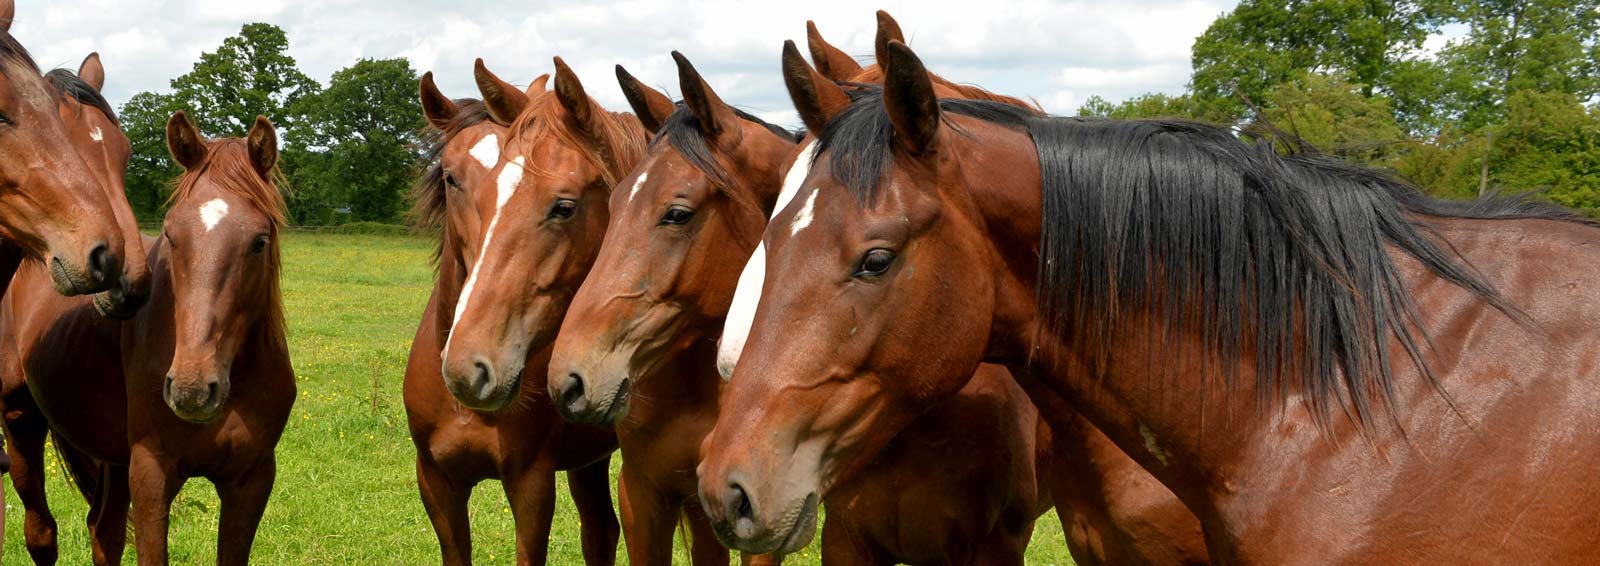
[(1321, 362), (521, 442), (637, 350), (202, 384), (1114, 512), (51, 205), (96, 136)]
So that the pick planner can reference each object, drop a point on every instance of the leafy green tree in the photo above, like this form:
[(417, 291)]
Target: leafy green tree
[(1264, 43), (1151, 105), (359, 145), (150, 169), (1334, 116), (1519, 45), (250, 74)]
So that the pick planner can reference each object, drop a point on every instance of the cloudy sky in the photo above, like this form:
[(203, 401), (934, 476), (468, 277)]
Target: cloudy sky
[(1058, 53)]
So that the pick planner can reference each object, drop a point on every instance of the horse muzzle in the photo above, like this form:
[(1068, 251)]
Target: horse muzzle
[(197, 400)]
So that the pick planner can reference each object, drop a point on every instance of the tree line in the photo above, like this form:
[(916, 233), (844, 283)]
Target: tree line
[(1510, 103), (350, 148)]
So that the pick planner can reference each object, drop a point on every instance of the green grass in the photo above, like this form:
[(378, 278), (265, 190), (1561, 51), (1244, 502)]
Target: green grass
[(346, 490)]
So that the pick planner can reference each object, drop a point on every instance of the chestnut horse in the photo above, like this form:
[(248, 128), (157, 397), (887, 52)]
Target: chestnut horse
[(1114, 512), (96, 136), (52, 206), (522, 442), (203, 385), (637, 349), (1322, 363)]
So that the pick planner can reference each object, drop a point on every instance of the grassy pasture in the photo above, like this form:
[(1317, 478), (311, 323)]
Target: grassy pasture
[(346, 490)]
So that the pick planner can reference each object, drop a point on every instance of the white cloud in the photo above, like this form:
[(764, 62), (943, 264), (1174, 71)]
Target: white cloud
[(1056, 52)]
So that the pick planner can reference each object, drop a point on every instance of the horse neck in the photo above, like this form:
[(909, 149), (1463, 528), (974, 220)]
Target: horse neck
[(1165, 418), (452, 275)]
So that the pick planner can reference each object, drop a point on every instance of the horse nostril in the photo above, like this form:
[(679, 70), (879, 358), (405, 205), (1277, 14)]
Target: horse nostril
[(739, 505), (100, 263), (166, 387), (483, 379), (572, 392), (211, 392)]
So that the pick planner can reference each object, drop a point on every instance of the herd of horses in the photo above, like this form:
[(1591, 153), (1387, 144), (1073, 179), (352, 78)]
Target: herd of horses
[(938, 311)]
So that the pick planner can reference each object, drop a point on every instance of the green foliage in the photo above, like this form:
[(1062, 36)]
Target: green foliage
[(359, 147), (1333, 115), (1151, 105), (150, 168), (249, 75), (1518, 45), (1264, 43)]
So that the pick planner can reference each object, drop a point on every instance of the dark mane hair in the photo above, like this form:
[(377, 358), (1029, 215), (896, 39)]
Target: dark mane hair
[(681, 130), (428, 194), (227, 164), (67, 83), (1287, 256)]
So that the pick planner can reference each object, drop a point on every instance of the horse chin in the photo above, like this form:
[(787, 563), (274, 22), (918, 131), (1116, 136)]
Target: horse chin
[(116, 304), (804, 528)]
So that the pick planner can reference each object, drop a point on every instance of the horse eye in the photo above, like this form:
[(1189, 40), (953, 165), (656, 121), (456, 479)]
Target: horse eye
[(4, 119), (874, 263), (450, 180), (563, 209), (677, 215), (260, 245)]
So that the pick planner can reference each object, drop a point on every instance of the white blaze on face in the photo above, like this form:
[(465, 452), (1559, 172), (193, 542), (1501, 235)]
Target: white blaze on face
[(742, 314), (213, 212), (803, 218), (638, 185), (97, 135), (487, 151), (505, 187)]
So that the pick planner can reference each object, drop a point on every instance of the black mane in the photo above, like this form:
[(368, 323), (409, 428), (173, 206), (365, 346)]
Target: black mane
[(1223, 238), (681, 130), (70, 84)]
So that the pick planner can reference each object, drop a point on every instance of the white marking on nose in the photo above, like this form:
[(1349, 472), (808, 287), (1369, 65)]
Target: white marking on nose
[(212, 212), (487, 151), (97, 135), (505, 186), (742, 314), (638, 185)]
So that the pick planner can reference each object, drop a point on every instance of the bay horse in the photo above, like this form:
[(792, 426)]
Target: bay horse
[(99, 140), (51, 205), (1324, 364), (638, 350), (203, 384), (1113, 511), (522, 442)]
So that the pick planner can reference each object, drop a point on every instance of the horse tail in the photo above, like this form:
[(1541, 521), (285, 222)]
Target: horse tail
[(82, 471)]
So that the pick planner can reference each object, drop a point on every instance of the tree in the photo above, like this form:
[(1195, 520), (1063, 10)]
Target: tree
[(1151, 105), (1334, 116), (1517, 45), (150, 169), (359, 143), (250, 74), (1264, 43)]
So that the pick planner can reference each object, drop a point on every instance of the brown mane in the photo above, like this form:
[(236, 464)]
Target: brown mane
[(428, 194), (619, 132)]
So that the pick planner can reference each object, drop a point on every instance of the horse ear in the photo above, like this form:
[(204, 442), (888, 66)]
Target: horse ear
[(714, 115), (8, 12), (888, 30), (651, 106), (263, 145), (536, 87), (816, 98), (184, 141), (92, 72), (909, 97), (569, 91), (831, 61), (435, 105), (505, 102)]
